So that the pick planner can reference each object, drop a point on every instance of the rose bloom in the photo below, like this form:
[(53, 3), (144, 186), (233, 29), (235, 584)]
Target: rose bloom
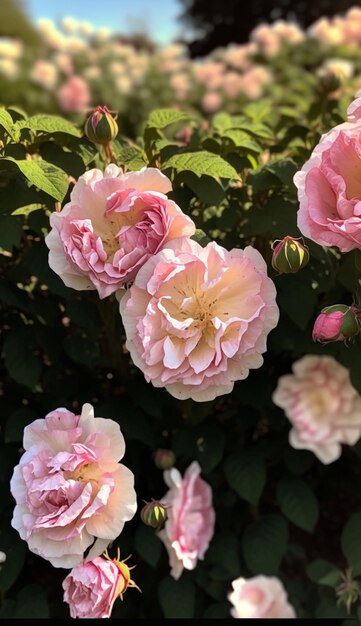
[(197, 319), (69, 486), (323, 406), (74, 95), (92, 587), (211, 101), (44, 74), (191, 517), (113, 223), (260, 597), (329, 188)]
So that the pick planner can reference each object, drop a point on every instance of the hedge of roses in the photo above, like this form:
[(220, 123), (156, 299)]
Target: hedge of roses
[(181, 318)]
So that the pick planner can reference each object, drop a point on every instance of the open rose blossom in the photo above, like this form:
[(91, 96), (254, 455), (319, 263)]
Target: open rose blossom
[(69, 487), (92, 587), (322, 404), (197, 319), (113, 223), (190, 524), (329, 187), (260, 597)]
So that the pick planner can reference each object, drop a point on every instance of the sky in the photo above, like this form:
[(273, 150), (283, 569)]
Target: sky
[(157, 16)]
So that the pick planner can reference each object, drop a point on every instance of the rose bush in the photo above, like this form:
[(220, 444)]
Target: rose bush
[(169, 309)]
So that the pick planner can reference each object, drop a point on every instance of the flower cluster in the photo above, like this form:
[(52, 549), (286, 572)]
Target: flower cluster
[(196, 319)]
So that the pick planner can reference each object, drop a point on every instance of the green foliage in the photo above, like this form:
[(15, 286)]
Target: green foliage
[(351, 545), (298, 502), (279, 511)]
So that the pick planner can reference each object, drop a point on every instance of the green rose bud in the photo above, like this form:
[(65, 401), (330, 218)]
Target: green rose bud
[(289, 256), (101, 126), (154, 514)]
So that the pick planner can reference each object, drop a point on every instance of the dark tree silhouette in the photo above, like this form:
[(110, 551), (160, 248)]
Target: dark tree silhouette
[(14, 22), (220, 22)]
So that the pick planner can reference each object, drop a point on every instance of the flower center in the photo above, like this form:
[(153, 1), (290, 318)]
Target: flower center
[(86, 473), (319, 405)]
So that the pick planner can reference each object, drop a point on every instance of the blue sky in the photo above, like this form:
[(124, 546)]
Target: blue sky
[(122, 15)]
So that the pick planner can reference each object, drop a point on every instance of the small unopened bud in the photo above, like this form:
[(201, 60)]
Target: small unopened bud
[(164, 459), (330, 82), (101, 126), (154, 514), (289, 255), (336, 323)]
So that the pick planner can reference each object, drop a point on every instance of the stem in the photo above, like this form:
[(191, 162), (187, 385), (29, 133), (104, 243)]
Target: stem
[(109, 154), (112, 331)]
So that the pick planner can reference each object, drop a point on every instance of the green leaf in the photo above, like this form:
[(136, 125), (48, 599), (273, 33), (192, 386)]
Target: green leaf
[(264, 544), (161, 118), (6, 121), (131, 156), (222, 121), (245, 471), (202, 163), (351, 543), (148, 545), (50, 124), (224, 552), (204, 444), (85, 149), (298, 502), (285, 170), (324, 573), (241, 139), (45, 176), (10, 233), (31, 603), (27, 209), (201, 237), (23, 366), (177, 597)]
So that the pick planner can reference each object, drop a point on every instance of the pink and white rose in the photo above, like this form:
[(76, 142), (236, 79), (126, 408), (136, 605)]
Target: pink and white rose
[(323, 406), (191, 517), (113, 223), (70, 488), (74, 95), (329, 187), (91, 588), (197, 319), (260, 597)]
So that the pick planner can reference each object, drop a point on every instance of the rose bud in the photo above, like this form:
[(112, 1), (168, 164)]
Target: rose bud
[(336, 323), (289, 255), (164, 459), (101, 126), (330, 82), (154, 514)]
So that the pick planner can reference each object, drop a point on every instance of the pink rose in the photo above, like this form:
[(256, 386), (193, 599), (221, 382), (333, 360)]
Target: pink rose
[(74, 95), (260, 597), (69, 487), (113, 223), (197, 319), (336, 323), (190, 524), (354, 110), (92, 587), (329, 189), (323, 406)]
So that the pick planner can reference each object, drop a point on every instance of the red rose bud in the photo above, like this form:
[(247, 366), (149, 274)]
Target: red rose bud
[(101, 126), (154, 514), (164, 459), (289, 256), (336, 323)]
